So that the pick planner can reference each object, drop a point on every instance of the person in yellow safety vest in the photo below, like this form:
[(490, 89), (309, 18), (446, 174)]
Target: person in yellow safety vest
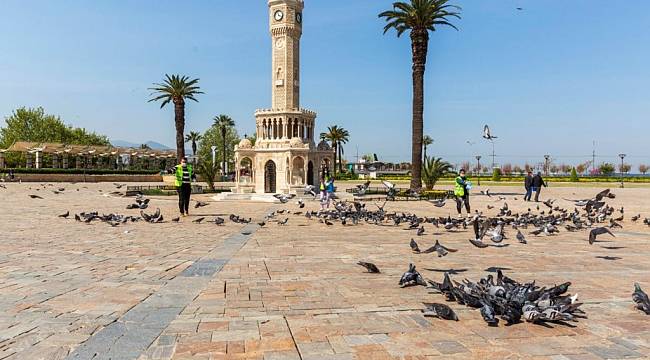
[(184, 176), (461, 191)]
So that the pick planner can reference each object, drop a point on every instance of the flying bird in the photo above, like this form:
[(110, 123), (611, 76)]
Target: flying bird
[(372, 268), (598, 231), (487, 134)]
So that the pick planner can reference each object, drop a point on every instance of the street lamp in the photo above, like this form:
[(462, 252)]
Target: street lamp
[(622, 156), (214, 148), (546, 159), (478, 168)]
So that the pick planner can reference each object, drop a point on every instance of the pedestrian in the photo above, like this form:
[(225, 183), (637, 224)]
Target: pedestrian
[(528, 184), (184, 176), (324, 201), (11, 175), (538, 182), (461, 190), (329, 186)]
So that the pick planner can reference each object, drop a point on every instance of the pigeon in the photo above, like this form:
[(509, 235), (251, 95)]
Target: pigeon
[(219, 221), (372, 268), (35, 197), (486, 192), (441, 250), (261, 223), (521, 237), (283, 222), (487, 312), (310, 190), (598, 231), (391, 191), (414, 246), (65, 216), (438, 203), (420, 231), (176, 219), (301, 203), (198, 221), (77, 217), (441, 311), (200, 204), (487, 134), (284, 198), (641, 300), (411, 277)]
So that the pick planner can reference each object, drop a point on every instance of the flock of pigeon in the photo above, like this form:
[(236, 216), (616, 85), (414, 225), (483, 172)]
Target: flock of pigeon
[(501, 298)]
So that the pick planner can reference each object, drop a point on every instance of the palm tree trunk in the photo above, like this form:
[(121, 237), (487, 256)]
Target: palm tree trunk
[(335, 151), (223, 139), (424, 157), (338, 146), (179, 121), (419, 45)]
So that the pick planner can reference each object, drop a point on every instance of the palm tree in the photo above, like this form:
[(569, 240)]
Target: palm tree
[(426, 141), (336, 136), (343, 138), (223, 122), (193, 137), (176, 89), (419, 17), (433, 170)]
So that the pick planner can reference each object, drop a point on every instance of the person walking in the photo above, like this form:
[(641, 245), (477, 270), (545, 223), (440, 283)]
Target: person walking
[(461, 191), (528, 184), (323, 193), (184, 176), (538, 182)]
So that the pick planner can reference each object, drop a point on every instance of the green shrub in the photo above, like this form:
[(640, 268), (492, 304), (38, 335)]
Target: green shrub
[(496, 174), (574, 175)]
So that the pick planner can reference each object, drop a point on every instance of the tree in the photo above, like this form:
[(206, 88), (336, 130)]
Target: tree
[(418, 17), (506, 169), (496, 174), (606, 169), (625, 168), (433, 170), (34, 125), (176, 89), (213, 137), (518, 170), (426, 141), (643, 169), (193, 137), (574, 175), (581, 168), (337, 136), (223, 122), (208, 172)]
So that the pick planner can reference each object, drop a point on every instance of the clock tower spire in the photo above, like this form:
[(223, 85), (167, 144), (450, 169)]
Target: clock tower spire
[(286, 29)]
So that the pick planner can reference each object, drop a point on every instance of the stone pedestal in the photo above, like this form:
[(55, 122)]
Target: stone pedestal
[(2, 160), (65, 161), (28, 160), (55, 161)]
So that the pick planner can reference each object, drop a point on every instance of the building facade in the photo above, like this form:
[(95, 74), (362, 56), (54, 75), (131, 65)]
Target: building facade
[(285, 156)]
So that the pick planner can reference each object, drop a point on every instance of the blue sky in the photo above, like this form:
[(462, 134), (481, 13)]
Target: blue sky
[(549, 79)]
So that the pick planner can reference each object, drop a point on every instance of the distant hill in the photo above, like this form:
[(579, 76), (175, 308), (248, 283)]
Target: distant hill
[(152, 144)]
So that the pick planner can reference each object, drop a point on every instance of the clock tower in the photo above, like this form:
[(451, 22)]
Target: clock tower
[(286, 29), (285, 157)]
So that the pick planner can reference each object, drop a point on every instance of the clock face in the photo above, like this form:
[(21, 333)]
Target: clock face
[(278, 15), (279, 43), (299, 17)]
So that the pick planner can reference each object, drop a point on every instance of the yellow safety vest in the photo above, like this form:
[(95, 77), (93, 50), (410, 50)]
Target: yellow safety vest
[(179, 174), (459, 190)]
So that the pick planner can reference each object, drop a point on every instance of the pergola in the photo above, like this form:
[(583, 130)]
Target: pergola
[(85, 156)]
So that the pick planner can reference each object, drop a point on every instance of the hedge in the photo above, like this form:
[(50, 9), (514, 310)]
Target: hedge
[(80, 171)]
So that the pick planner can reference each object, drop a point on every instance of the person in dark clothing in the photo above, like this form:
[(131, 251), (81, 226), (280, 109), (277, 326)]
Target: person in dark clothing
[(528, 184), (538, 182), (461, 190), (183, 182)]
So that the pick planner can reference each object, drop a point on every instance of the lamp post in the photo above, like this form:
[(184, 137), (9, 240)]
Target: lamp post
[(622, 156), (546, 159), (478, 168), (214, 148)]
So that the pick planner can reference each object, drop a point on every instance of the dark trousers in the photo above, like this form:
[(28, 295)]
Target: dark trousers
[(537, 190), (184, 192), (529, 193), (459, 203)]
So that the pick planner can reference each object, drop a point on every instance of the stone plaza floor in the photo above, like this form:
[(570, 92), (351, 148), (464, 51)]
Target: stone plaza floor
[(70, 290)]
